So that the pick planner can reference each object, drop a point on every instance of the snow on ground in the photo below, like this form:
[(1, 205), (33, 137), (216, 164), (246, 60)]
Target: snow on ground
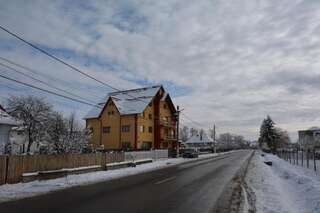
[(282, 187), (21, 190)]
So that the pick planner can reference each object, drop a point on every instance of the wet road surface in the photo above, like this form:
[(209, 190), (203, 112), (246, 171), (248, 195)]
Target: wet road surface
[(191, 187)]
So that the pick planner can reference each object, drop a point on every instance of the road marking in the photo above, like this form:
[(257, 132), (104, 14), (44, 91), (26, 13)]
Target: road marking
[(165, 180)]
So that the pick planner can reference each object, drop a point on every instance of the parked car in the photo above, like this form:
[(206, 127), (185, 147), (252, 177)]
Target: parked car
[(190, 153)]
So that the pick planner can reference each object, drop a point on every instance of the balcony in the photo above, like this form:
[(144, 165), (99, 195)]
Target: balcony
[(169, 137), (165, 123)]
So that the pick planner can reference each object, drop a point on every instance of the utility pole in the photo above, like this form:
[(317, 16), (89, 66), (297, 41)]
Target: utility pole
[(214, 132), (177, 136), (214, 138)]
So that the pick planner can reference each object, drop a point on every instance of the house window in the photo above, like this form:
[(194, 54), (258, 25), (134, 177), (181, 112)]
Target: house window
[(164, 106), (150, 129), (125, 128), (111, 112), (142, 128), (106, 129), (150, 104), (150, 116), (126, 145)]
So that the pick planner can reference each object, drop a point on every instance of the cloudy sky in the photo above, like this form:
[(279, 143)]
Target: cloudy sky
[(225, 62)]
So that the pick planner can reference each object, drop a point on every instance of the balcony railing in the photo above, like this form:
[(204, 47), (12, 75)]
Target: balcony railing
[(168, 123), (169, 137)]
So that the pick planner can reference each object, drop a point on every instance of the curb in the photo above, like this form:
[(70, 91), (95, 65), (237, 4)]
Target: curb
[(231, 200)]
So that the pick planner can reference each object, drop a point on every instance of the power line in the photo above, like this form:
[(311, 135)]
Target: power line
[(48, 91), (191, 120), (44, 83), (36, 72), (56, 58), (63, 62), (71, 66)]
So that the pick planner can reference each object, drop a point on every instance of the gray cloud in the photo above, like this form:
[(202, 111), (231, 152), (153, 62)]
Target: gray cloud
[(242, 60)]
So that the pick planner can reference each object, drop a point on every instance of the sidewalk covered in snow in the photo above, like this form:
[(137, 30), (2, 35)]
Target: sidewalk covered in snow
[(282, 187)]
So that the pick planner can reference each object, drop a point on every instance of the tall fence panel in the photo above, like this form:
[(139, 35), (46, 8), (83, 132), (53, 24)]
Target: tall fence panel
[(15, 169), (3, 169), (161, 154), (115, 157)]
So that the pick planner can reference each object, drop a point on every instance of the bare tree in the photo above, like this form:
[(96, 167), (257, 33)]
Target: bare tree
[(282, 138), (77, 135), (193, 131), (66, 135), (33, 113), (184, 133), (57, 131), (225, 140)]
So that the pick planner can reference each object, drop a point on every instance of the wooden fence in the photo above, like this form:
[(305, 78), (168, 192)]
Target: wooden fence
[(12, 167)]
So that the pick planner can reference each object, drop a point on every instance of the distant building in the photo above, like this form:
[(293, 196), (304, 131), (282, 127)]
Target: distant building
[(199, 141), (6, 123), (142, 118), (309, 138)]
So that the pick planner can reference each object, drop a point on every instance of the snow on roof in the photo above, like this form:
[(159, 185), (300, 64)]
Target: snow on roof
[(314, 128), (132, 101), (5, 118), (198, 139)]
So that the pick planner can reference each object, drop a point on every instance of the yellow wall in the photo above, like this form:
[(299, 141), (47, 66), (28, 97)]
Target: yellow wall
[(146, 122), (94, 123), (110, 140), (128, 136)]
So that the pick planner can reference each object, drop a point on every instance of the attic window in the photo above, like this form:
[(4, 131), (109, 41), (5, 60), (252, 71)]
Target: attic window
[(150, 104), (165, 106)]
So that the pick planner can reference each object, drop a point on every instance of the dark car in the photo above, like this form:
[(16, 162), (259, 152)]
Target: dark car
[(190, 153)]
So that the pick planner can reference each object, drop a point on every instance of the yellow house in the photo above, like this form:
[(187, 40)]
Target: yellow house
[(142, 118)]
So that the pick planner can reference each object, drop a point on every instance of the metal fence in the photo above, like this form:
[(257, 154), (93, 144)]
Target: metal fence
[(153, 154), (309, 158)]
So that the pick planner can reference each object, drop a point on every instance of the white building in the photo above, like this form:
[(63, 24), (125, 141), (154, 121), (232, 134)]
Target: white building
[(199, 141), (6, 123), (309, 138)]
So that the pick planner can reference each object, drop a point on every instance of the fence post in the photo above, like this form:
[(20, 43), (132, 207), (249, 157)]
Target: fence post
[(308, 158), (302, 157), (290, 156), (297, 156), (314, 160), (285, 155), (6, 169)]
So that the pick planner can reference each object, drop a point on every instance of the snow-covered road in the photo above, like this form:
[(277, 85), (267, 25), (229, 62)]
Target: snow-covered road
[(282, 187)]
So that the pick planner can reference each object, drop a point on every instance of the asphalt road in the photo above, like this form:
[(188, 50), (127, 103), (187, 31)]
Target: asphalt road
[(192, 187)]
